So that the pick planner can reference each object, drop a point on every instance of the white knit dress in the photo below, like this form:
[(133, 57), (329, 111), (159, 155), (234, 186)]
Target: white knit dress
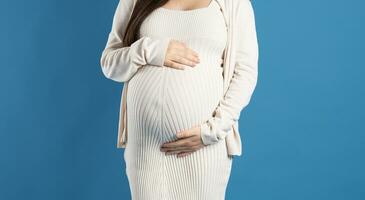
[(162, 101)]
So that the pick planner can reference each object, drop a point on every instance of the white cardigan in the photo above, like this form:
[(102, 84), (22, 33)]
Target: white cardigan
[(240, 68)]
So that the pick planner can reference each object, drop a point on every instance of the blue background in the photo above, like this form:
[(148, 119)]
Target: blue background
[(303, 131)]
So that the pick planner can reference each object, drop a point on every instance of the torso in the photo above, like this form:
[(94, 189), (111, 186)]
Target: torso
[(162, 101)]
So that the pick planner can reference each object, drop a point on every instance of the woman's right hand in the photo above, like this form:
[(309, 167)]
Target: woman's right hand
[(178, 55)]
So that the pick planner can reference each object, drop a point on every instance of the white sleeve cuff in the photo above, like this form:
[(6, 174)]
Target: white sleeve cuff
[(207, 137), (216, 128), (155, 55)]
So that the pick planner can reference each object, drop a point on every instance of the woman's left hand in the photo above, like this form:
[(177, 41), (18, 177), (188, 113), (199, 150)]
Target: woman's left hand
[(188, 141)]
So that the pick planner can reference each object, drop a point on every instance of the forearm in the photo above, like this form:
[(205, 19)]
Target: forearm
[(243, 82), (120, 62)]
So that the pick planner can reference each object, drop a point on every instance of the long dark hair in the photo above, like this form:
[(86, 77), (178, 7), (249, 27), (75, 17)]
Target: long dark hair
[(141, 10)]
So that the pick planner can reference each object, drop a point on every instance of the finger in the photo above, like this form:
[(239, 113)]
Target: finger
[(186, 153), (179, 148), (177, 143), (175, 149), (183, 60), (189, 54), (190, 148), (175, 65), (181, 45), (191, 142), (179, 155), (186, 51), (173, 152), (184, 142), (185, 48), (193, 55)]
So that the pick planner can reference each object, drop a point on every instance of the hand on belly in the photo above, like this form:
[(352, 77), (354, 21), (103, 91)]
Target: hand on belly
[(178, 55), (188, 142)]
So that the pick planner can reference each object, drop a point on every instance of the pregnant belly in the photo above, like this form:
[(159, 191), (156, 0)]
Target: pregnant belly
[(169, 100)]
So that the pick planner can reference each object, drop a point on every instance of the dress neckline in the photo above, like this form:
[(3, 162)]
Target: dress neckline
[(187, 11)]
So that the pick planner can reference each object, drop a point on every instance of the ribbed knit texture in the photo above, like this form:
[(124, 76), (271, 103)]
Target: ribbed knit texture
[(163, 101)]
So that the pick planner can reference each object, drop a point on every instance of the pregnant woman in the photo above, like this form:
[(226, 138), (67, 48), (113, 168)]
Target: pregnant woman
[(172, 56)]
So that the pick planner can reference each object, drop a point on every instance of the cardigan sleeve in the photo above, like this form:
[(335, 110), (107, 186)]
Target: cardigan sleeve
[(119, 62), (243, 82)]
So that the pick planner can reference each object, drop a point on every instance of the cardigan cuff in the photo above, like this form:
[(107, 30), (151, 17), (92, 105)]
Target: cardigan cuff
[(216, 128), (156, 54), (207, 137)]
